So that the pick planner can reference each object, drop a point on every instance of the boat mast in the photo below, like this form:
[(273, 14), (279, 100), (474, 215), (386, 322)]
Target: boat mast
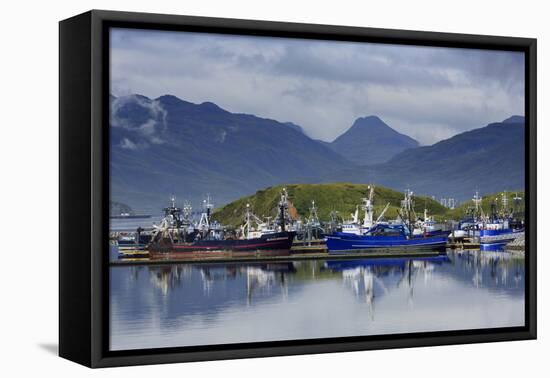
[(478, 209), (383, 213), (515, 205), (313, 217), (172, 213), (204, 223), (283, 204), (187, 212), (407, 206), (368, 208), (247, 224), (505, 204)]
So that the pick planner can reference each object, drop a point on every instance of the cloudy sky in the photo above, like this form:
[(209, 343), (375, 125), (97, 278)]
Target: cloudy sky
[(428, 93)]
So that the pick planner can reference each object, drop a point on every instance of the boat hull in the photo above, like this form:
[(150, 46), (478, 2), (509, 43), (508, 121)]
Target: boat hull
[(275, 244), (503, 236), (344, 244)]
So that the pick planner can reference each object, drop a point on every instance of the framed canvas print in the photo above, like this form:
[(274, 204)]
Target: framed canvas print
[(234, 188)]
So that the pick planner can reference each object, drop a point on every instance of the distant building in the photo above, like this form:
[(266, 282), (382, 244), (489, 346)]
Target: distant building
[(449, 202)]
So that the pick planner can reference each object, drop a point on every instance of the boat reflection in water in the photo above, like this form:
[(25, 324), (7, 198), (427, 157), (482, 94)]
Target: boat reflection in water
[(214, 303), (376, 277)]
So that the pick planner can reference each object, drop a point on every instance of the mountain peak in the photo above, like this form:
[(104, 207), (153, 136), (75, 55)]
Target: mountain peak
[(134, 96), (294, 126), (515, 119), (170, 100), (369, 121), (211, 107), (371, 141)]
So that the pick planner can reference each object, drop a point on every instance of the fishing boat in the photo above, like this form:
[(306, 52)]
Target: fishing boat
[(355, 226), (501, 228), (311, 231), (133, 244), (427, 226), (499, 232), (383, 236), (213, 240), (133, 241)]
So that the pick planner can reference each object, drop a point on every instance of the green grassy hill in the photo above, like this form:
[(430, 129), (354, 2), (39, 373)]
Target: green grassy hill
[(341, 197), (486, 202)]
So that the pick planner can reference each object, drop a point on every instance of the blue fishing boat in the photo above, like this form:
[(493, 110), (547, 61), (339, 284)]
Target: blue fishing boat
[(502, 227), (493, 247), (498, 233), (384, 237)]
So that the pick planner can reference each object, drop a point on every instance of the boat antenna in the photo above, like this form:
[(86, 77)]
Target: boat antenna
[(313, 216), (368, 207), (204, 223), (248, 221), (282, 206), (208, 205), (173, 199)]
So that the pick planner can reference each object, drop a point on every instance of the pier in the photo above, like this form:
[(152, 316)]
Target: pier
[(467, 243), (302, 250), (291, 257), (518, 244)]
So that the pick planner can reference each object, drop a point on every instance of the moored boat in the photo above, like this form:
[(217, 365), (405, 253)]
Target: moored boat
[(384, 237), (501, 228), (213, 240), (133, 241), (499, 233), (277, 243)]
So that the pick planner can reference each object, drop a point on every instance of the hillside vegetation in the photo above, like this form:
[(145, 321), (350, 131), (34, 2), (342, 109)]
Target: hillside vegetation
[(486, 202), (117, 208), (340, 197)]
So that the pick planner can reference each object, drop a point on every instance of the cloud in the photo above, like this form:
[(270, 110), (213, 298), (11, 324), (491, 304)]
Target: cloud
[(426, 92), (144, 118), (128, 144)]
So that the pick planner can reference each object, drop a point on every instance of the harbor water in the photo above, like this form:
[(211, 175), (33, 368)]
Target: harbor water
[(131, 224), (153, 306)]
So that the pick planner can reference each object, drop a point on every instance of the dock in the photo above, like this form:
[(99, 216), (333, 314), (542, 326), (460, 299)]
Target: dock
[(283, 258), (302, 250), (312, 246), (517, 245), (465, 244)]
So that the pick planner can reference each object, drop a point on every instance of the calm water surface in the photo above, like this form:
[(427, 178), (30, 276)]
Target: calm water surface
[(199, 304)]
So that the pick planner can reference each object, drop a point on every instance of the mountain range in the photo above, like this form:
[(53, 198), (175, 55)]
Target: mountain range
[(168, 146), (489, 159)]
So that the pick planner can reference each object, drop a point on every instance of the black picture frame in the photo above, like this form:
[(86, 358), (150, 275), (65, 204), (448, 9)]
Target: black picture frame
[(84, 191)]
